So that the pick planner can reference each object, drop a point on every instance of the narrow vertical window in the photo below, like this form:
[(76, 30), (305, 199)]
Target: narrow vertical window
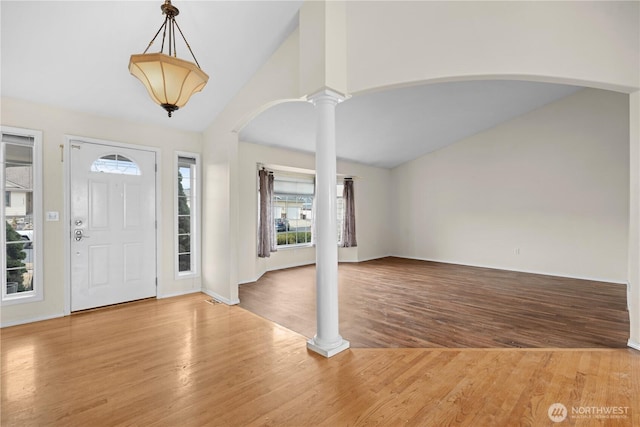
[(187, 230), (21, 213)]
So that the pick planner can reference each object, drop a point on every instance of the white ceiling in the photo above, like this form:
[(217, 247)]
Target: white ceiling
[(389, 128), (75, 55)]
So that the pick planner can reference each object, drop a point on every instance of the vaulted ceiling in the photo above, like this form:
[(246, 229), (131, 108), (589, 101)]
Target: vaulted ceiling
[(75, 55), (391, 127)]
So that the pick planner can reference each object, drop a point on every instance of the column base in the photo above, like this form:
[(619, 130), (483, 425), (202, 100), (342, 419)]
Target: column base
[(327, 352)]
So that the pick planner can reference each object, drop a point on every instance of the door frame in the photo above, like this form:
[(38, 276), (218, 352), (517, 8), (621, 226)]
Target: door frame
[(65, 153)]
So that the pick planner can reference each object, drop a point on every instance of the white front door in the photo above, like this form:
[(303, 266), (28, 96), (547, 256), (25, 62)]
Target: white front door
[(113, 224)]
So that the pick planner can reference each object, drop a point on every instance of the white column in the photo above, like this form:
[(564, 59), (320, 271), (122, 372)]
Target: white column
[(327, 340)]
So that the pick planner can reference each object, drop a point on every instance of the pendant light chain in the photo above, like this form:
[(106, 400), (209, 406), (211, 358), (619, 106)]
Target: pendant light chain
[(187, 43), (172, 31), (164, 35), (170, 17), (156, 36)]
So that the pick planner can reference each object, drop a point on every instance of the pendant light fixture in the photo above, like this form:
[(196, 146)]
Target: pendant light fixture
[(169, 80)]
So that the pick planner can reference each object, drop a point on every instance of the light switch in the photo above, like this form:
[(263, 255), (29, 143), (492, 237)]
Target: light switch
[(53, 216)]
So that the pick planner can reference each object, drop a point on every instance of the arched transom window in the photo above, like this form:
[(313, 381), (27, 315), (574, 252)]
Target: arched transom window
[(115, 163)]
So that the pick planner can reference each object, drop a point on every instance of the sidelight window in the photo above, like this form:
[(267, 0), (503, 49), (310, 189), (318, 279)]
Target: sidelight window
[(22, 215), (187, 214)]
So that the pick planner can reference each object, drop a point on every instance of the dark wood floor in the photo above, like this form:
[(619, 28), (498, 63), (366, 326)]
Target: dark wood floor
[(395, 302)]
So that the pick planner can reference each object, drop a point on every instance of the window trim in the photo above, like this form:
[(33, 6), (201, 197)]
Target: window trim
[(304, 173), (37, 294), (311, 179), (196, 217)]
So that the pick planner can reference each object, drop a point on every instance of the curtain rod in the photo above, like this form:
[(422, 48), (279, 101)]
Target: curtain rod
[(300, 172)]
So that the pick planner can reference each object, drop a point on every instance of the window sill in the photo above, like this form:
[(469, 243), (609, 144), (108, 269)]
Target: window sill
[(22, 299), (187, 275), (299, 246), (307, 245)]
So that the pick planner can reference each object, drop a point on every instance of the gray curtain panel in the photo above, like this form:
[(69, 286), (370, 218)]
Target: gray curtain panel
[(349, 223), (271, 220), (266, 227)]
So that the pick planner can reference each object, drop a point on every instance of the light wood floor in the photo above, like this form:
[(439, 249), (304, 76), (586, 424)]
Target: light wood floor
[(395, 302), (185, 362)]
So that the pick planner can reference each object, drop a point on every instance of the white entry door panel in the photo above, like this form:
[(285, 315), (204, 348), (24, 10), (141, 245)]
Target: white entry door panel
[(113, 216)]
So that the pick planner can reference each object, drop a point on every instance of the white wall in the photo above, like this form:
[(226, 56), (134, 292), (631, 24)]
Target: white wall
[(323, 57), (634, 221), (395, 43), (276, 80), (552, 184), (372, 211), (55, 123), (391, 43)]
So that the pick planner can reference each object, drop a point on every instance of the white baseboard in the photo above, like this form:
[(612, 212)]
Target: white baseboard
[(31, 320), (220, 298), (302, 264), (293, 265), (371, 258), (177, 294), (244, 282), (497, 267), (631, 343)]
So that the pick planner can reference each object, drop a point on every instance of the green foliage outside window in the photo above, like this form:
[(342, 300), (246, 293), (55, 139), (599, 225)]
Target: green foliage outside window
[(292, 238), (15, 256), (184, 228)]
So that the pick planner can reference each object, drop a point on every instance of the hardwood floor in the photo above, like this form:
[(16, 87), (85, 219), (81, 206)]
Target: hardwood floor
[(185, 362), (395, 302)]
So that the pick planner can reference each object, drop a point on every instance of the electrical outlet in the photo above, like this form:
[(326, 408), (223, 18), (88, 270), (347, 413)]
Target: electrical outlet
[(517, 251)]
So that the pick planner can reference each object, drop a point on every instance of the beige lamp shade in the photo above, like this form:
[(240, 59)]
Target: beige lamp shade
[(170, 81)]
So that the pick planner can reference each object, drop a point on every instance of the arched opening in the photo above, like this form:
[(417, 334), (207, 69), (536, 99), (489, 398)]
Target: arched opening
[(393, 129)]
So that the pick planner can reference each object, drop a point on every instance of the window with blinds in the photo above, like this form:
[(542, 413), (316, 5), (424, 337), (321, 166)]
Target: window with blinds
[(293, 208)]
